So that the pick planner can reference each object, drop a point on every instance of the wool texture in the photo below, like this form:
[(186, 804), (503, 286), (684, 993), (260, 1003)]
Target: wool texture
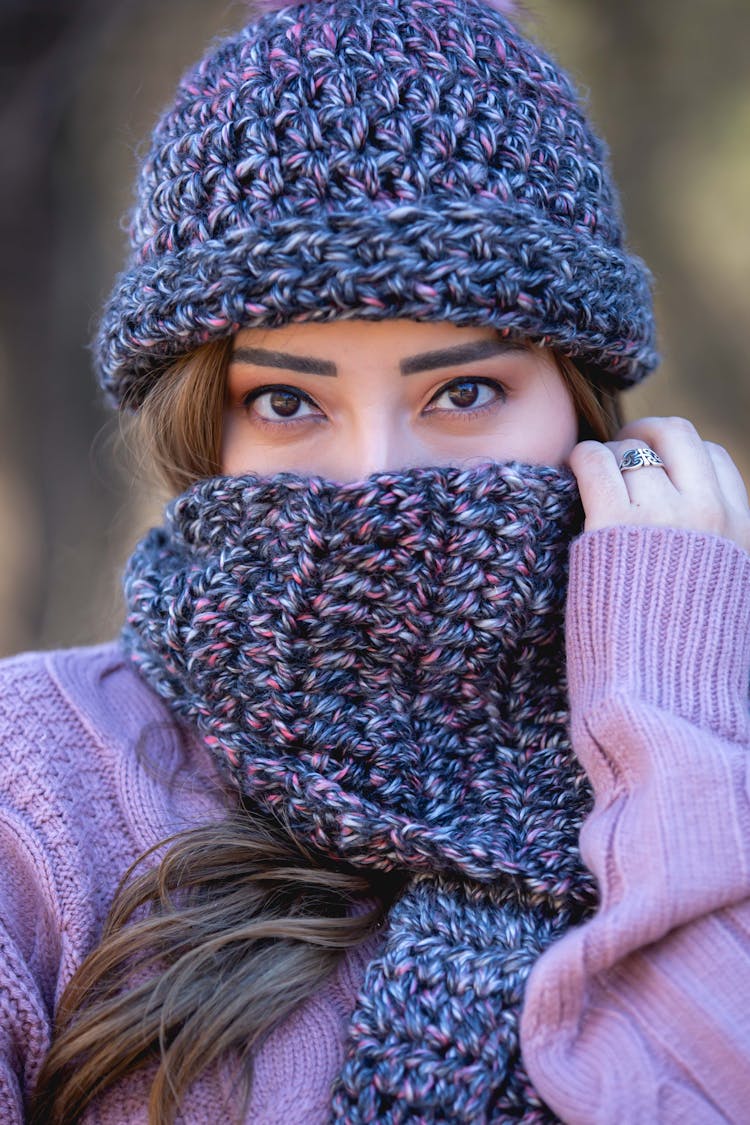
[(376, 159), (381, 664)]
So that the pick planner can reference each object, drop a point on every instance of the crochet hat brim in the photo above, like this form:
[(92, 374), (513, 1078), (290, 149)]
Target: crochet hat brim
[(471, 262)]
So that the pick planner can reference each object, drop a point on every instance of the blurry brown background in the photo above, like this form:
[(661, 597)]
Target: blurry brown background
[(82, 81)]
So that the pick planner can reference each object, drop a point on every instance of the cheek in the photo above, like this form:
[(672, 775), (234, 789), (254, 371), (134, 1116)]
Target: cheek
[(238, 453), (541, 425), (245, 449), (230, 451), (554, 422), (557, 426)]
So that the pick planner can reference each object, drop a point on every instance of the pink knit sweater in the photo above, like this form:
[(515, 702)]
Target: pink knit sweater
[(640, 1015)]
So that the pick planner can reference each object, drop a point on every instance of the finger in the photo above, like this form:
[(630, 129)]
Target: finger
[(729, 477), (599, 480), (681, 448), (648, 486), (621, 450), (734, 496)]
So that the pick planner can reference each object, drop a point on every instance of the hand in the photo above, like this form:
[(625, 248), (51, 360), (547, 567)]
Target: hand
[(699, 488)]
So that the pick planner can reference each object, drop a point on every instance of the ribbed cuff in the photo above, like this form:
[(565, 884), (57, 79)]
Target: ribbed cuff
[(664, 616)]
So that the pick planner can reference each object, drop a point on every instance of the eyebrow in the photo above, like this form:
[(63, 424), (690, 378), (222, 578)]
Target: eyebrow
[(265, 357), (426, 361), (462, 353)]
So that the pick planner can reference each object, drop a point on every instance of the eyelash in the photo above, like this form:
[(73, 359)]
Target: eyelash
[(250, 398), (502, 394), (469, 411)]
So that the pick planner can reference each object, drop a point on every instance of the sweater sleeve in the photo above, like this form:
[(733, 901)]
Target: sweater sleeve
[(643, 1012), (25, 1023), (30, 943)]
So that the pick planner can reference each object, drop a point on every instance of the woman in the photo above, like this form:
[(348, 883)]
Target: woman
[(376, 321)]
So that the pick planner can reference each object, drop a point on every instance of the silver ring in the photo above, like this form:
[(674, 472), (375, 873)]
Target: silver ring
[(639, 459)]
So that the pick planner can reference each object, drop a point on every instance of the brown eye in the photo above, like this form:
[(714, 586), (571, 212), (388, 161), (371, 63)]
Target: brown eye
[(466, 394), (276, 404), (285, 403), (463, 394)]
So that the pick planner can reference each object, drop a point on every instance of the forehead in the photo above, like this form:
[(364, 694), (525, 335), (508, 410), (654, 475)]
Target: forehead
[(389, 337)]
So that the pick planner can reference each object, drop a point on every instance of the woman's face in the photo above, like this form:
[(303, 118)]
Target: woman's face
[(348, 398)]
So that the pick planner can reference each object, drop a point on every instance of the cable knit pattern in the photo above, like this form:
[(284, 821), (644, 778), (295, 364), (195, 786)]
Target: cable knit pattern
[(381, 664), (93, 772), (376, 159)]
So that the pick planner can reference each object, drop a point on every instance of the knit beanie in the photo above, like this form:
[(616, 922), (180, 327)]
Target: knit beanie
[(376, 159)]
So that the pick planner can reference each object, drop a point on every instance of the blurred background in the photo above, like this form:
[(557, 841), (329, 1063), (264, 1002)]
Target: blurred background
[(668, 83)]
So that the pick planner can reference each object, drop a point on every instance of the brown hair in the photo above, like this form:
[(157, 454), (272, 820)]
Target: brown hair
[(201, 955), (178, 428), (598, 405), (204, 951)]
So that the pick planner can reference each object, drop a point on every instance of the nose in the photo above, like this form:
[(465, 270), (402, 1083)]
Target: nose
[(375, 444)]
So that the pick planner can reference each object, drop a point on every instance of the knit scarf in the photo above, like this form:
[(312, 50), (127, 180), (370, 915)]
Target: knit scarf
[(382, 664)]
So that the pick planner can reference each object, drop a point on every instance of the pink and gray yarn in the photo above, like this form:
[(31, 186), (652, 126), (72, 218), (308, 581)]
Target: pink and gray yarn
[(381, 664), (376, 159)]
